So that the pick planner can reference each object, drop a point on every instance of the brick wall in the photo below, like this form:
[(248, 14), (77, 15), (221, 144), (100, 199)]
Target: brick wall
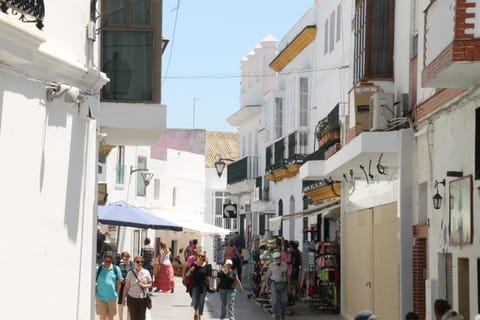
[(419, 268), (436, 101), (464, 48)]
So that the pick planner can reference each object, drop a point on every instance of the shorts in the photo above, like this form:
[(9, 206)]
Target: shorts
[(105, 308)]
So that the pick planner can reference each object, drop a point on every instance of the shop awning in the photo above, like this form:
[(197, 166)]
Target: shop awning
[(328, 209), (192, 225), (204, 228), (275, 224)]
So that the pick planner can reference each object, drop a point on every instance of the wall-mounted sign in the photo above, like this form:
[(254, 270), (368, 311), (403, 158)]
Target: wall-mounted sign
[(230, 210)]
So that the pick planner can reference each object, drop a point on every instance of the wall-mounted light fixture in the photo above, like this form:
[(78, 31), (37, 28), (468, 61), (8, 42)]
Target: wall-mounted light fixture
[(220, 164), (146, 176), (437, 198)]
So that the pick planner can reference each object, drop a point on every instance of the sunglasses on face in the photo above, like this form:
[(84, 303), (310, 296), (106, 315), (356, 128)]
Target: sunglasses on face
[(107, 261), (139, 262), (201, 256)]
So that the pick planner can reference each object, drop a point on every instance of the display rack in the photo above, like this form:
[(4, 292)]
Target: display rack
[(327, 298)]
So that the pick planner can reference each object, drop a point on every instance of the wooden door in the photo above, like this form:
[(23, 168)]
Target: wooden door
[(385, 262), (357, 265)]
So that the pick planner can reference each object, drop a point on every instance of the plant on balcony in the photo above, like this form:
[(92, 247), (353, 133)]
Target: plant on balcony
[(320, 131), (327, 133)]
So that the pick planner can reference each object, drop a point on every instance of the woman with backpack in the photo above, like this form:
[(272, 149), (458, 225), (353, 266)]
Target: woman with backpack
[(225, 284)]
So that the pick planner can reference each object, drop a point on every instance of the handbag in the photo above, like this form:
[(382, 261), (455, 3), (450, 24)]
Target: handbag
[(148, 298)]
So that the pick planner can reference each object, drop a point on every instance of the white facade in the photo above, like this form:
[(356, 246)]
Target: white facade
[(49, 178), (50, 111)]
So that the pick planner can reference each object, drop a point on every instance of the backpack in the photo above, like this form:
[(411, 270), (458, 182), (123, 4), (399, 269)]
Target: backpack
[(115, 270)]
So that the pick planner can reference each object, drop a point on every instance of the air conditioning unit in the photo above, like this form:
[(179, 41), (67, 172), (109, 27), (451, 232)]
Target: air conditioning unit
[(381, 110)]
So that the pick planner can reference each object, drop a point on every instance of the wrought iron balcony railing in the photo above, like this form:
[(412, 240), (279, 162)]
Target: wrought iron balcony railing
[(243, 169), (28, 10)]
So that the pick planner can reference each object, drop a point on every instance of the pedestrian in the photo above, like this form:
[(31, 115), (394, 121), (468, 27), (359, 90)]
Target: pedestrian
[(201, 273), (125, 266), (186, 251), (148, 253), (108, 244), (444, 311), (225, 284), (232, 253), (164, 278), (108, 281), (277, 273), (411, 316), (188, 281), (100, 240), (365, 315), (135, 292), (297, 261)]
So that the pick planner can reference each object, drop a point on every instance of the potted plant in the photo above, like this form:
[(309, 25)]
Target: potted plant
[(333, 131), (320, 133)]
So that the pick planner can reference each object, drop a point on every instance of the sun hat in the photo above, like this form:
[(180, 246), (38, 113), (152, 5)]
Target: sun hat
[(366, 315)]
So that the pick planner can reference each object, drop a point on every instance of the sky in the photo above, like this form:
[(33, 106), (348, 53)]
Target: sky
[(207, 40)]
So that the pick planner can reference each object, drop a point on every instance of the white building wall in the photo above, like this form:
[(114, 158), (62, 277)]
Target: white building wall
[(48, 180), (440, 32)]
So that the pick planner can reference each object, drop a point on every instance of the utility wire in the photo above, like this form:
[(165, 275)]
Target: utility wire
[(172, 42), (257, 75)]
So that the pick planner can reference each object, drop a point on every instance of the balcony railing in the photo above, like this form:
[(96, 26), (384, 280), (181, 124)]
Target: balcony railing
[(28, 10), (243, 169)]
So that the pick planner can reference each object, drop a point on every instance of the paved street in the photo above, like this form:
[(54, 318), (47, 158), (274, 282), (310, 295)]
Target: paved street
[(177, 306)]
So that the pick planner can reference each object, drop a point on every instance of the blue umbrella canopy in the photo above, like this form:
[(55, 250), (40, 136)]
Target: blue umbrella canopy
[(120, 213)]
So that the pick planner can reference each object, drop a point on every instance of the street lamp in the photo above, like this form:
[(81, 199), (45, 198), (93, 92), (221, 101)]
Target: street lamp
[(437, 198), (146, 176), (220, 164)]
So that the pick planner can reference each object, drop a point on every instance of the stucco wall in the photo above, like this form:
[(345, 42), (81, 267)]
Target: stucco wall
[(47, 194)]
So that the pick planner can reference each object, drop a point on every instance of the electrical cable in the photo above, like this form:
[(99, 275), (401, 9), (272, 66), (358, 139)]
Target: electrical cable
[(171, 43)]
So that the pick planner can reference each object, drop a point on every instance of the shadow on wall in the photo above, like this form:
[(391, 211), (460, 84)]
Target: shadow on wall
[(77, 180)]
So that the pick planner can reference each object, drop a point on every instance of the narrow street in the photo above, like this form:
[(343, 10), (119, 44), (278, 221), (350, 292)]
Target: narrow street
[(177, 306)]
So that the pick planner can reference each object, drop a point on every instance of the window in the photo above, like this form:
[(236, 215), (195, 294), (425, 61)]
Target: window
[(141, 164), (278, 117), (325, 43), (220, 198), (374, 41), (131, 49), (373, 50), (279, 153), (477, 143), (332, 31), (156, 189), (120, 167), (303, 102), (268, 158), (339, 21), (174, 196)]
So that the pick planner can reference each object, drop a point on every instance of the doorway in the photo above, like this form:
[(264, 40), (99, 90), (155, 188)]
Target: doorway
[(464, 287)]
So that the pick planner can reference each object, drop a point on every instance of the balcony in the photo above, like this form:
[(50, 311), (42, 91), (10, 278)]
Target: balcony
[(26, 11), (374, 154), (287, 166), (132, 123), (242, 174), (452, 45)]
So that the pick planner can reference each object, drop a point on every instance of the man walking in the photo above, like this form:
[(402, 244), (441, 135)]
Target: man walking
[(108, 286), (148, 254), (278, 273)]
